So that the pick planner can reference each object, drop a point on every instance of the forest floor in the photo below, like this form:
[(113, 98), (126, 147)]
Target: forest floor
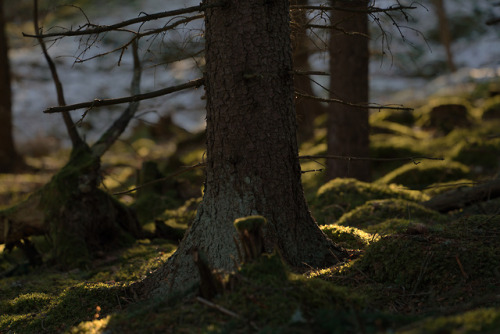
[(413, 269)]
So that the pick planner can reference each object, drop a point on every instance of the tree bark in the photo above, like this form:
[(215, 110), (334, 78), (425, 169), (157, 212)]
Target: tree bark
[(462, 197), (307, 109), (252, 165), (9, 159), (348, 127), (444, 32)]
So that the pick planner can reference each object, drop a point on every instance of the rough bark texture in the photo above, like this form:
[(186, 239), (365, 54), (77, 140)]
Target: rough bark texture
[(348, 127), (307, 109), (9, 159), (252, 166)]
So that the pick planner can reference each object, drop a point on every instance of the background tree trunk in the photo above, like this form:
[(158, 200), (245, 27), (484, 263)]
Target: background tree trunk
[(252, 166), (348, 127), (444, 32), (307, 109), (9, 159)]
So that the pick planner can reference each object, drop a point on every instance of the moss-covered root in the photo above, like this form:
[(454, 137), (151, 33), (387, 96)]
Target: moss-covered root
[(251, 235)]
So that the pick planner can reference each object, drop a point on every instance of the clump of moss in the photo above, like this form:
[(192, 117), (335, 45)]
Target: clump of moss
[(348, 236), (373, 216), (426, 173), (441, 187), (482, 320), (491, 109), (339, 196), (404, 117), (441, 261), (445, 114), (479, 155)]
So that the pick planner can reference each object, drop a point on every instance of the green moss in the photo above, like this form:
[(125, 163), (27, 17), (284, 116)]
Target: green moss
[(425, 174), (491, 108), (28, 303), (445, 114), (342, 195), (404, 117), (373, 215), (348, 237), (250, 223), (478, 154), (438, 260), (483, 320)]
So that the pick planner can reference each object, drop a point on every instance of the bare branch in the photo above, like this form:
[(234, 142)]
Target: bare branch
[(340, 157), (115, 130), (133, 98), (298, 72), (76, 140), (340, 8), (361, 106), (146, 18), (139, 35), (179, 172)]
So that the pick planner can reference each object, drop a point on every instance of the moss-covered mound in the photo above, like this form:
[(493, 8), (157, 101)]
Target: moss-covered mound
[(479, 154), (445, 114), (482, 320), (404, 117), (390, 215), (339, 196), (491, 109), (464, 255), (347, 236), (426, 173)]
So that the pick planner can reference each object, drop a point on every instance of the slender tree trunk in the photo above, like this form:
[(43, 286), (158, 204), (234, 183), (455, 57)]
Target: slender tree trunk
[(348, 127), (252, 166), (9, 159), (444, 31), (307, 109)]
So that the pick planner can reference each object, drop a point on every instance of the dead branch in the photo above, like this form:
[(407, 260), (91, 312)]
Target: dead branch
[(459, 198), (370, 10), (76, 140), (146, 18), (361, 106), (134, 98), (140, 35), (115, 130), (340, 157), (179, 172), (298, 72)]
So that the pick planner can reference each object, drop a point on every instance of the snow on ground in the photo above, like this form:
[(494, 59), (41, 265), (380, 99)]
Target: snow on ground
[(393, 78)]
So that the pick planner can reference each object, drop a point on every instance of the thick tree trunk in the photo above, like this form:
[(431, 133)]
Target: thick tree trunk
[(307, 109), (9, 159), (252, 166), (348, 127)]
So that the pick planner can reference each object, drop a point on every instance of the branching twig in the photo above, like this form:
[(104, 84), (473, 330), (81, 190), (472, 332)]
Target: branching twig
[(133, 98), (362, 106), (340, 157), (179, 172), (370, 10), (117, 128), (146, 18), (76, 140), (224, 310)]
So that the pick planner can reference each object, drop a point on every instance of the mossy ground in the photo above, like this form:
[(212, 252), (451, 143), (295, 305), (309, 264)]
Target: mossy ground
[(412, 270)]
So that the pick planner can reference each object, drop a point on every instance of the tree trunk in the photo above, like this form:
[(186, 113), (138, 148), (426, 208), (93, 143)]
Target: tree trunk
[(348, 127), (252, 166), (9, 159), (307, 109), (444, 32), (80, 219)]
